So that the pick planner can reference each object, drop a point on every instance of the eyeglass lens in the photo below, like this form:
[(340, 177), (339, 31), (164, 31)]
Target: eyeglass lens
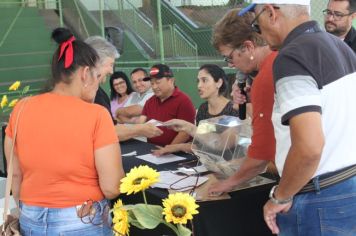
[(335, 14), (229, 58), (254, 24)]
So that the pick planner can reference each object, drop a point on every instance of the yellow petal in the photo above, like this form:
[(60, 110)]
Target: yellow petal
[(138, 179), (13, 102), (15, 86), (4, 101), (179, 208)]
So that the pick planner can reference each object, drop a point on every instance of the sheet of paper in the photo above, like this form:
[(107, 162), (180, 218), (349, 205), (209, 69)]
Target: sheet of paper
[(190, 171), (155, 122), (133, 153), (161, 159), (169, 180)]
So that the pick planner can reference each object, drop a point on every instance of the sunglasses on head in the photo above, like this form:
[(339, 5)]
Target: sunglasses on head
[(255, 26)]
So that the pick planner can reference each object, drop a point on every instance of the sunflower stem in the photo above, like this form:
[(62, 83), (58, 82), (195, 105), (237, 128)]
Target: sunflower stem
[(171, 227), (144, 197)]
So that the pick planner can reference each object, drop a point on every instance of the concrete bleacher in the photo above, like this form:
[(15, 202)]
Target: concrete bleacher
[(25, 48)]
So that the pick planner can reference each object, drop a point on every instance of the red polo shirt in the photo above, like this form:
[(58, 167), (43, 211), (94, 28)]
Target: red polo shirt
[(177, 106), (263, 145)]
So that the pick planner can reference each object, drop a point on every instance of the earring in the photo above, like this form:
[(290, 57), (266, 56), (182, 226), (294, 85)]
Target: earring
[(251, 58)]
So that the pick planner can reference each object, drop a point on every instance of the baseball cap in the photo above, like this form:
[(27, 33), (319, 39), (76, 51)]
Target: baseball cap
[(159, 71), (252, 6)]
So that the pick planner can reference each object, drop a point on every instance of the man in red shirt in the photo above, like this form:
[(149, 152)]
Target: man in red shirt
[(167, 103)]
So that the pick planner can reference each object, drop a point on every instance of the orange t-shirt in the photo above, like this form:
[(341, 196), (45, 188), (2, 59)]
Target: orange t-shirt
[(56, 139), (263, 145)]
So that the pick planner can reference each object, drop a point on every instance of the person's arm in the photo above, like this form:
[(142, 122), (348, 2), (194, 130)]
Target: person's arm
[(126, 132), (249, 169), (307, 142), (181, 137), (128, 112), (179, 147), (17, 173), (108, 164), (181, 126), (186, 112)]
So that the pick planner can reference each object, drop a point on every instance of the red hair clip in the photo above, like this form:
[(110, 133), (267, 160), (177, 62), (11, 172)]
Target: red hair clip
[(68, 57)]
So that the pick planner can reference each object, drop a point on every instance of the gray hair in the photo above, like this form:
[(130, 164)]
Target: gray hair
[(291, 10), (103, 47), (294, 11)]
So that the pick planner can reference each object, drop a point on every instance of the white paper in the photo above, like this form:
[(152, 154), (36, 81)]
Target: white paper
[(192, 170), (133, 153), (155, 122), (161, 159), (169, 180)]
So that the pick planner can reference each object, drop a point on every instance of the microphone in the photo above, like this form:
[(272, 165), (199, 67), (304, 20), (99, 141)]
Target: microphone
[(241, 83)]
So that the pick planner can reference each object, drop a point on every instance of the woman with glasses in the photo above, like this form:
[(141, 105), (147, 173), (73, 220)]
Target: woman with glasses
[(245, 49), (121, 90), (66, 156)]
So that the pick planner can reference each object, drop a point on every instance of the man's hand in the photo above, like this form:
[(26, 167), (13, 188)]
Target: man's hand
[(221, 187), (181, 126), (270, 211), (166, 149), (149, 130)]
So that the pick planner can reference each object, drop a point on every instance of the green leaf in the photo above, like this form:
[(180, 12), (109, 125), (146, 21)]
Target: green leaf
[(183, 231), (149, 216), (25, 89), (137, 224), (128, 207), (133, 220)]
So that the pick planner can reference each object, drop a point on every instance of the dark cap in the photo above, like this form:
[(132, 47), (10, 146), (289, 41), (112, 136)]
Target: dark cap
[(159, 71)]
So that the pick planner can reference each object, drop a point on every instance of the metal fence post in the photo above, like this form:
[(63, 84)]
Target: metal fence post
[(60, 10), (102, 19), (160, 31)]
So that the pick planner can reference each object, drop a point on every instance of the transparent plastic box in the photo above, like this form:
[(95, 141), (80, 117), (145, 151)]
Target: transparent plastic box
[(221, 144)]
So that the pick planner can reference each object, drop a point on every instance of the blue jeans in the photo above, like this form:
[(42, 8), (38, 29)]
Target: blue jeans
[(326, 212), (42, 221)]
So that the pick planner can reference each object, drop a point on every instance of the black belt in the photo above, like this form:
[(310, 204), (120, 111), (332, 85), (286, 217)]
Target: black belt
[(330, 178)]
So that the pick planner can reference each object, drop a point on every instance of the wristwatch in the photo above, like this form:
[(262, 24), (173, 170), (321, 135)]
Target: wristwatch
[(277, 201)]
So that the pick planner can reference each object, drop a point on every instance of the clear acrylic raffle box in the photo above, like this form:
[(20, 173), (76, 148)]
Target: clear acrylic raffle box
[(221, 144)]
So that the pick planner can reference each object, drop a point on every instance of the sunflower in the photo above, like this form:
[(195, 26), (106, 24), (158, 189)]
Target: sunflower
[(15, 86), (138, 179), (179, 208), (4, 101), (13, 102), (121, 221)]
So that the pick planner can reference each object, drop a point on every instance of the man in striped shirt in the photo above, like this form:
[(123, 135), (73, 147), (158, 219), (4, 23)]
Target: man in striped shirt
[(315, 81)]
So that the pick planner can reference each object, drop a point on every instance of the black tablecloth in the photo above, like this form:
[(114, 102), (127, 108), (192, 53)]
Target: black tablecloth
[(242, 215)]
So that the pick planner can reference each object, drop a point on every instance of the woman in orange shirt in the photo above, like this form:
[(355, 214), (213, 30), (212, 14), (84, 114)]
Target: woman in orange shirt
[(67, 160)]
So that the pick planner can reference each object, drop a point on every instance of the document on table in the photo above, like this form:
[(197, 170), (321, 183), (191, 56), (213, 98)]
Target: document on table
[(161, 159), (155, 122), (169, 180)]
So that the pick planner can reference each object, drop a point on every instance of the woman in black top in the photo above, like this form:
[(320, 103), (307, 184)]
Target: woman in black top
[(212, 87)]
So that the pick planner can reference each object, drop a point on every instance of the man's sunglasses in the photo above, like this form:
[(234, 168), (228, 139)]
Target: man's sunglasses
[(255, 26)]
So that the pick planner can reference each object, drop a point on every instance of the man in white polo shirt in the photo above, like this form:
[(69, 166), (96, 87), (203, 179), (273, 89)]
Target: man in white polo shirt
[(137, 100), (315, 79)]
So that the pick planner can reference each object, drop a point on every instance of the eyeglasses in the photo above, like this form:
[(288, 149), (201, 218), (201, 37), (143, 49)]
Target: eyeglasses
[(119, 83), (229, 58), (255, 26), (336, 14)]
